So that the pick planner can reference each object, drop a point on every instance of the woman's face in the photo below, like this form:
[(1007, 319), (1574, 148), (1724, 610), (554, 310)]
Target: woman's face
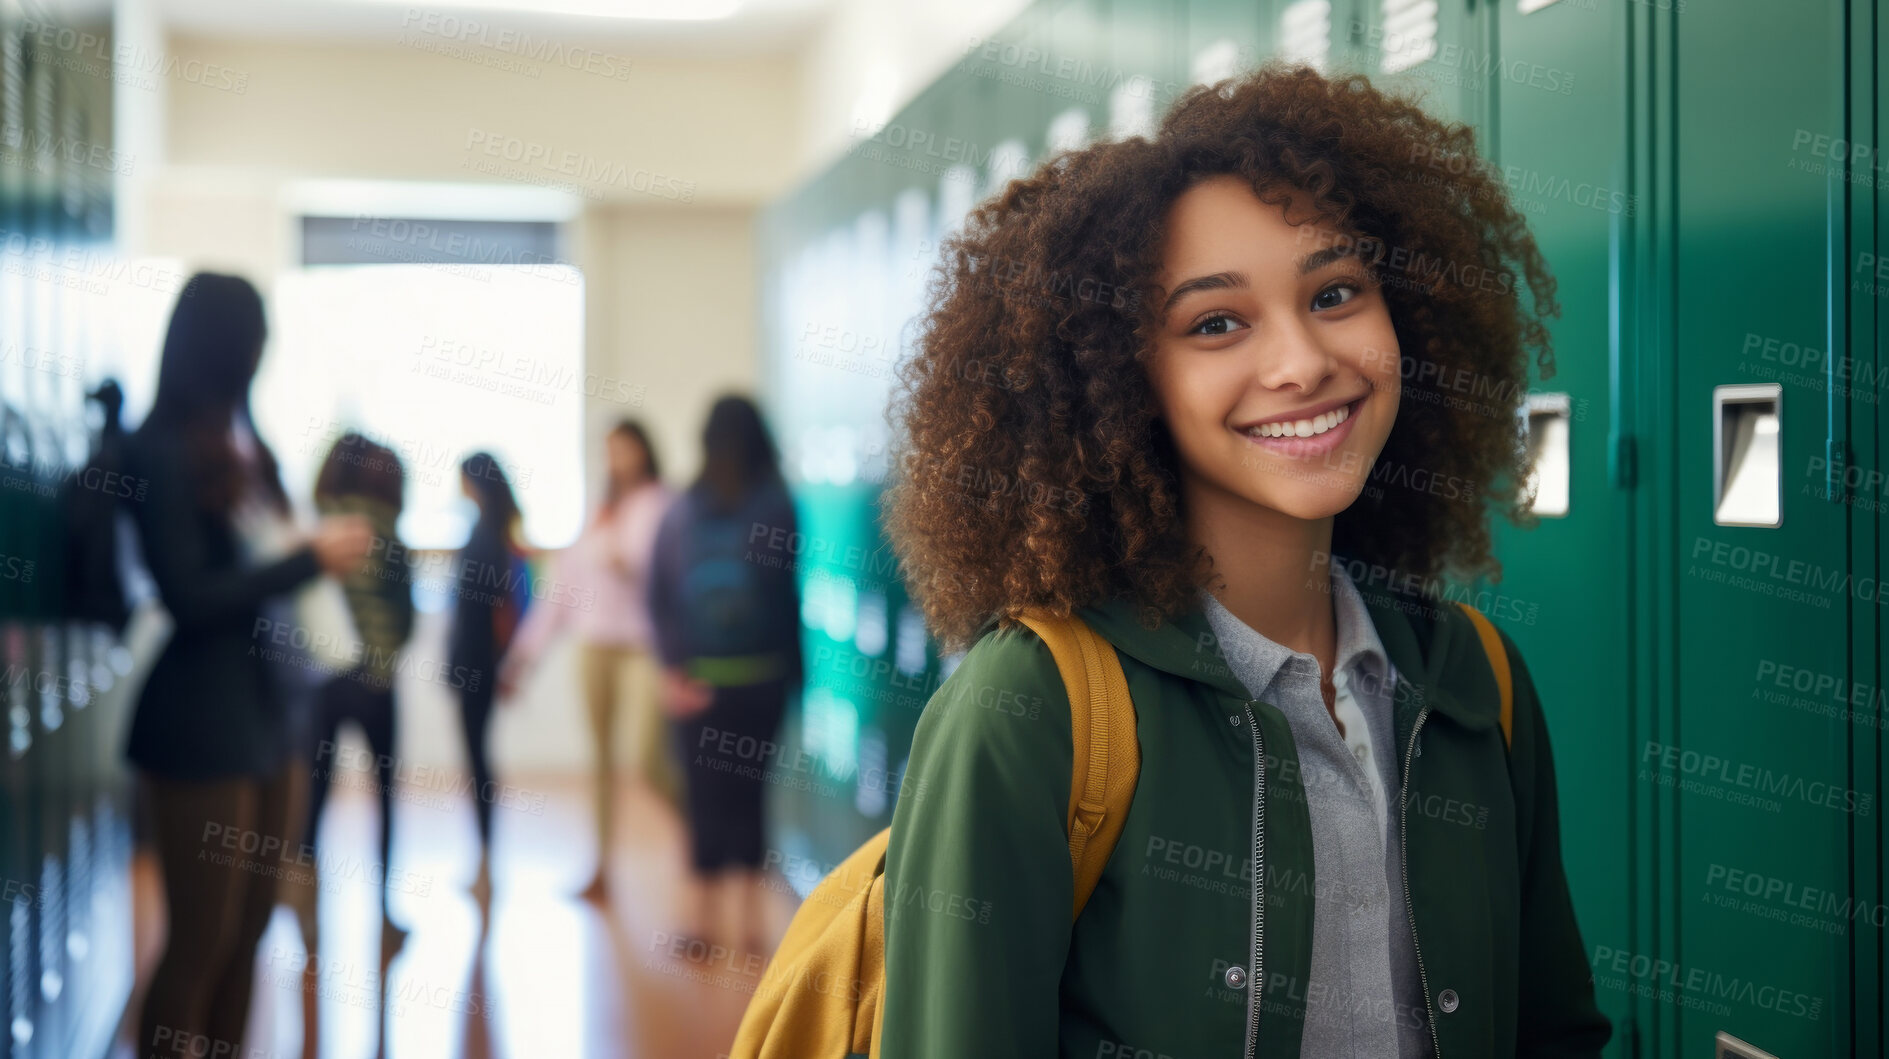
[(628, 462), (1275, 365)]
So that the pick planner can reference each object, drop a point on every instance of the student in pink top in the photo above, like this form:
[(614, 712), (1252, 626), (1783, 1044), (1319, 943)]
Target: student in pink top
[(606, 569)]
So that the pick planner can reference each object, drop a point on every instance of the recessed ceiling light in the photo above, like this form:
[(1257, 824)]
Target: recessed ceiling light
[(644, 10)]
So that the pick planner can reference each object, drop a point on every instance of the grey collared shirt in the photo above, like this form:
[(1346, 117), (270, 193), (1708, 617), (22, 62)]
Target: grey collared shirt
[(1365, 994)]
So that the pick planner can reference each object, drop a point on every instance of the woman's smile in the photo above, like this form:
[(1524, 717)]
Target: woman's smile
[(1305, 436)]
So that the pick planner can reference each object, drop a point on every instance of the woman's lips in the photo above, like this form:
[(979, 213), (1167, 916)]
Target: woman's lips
[(1317, 445)]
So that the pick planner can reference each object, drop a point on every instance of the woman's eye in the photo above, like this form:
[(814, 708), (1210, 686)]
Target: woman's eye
[(1326, 299), (1219, 324)]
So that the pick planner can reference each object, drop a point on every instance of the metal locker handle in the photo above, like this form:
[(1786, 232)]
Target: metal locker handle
[(1730, 1047), (1747, 461), (1548, 420)]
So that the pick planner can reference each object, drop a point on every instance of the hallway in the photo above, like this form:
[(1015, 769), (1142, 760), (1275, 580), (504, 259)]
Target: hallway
[(549, 977)]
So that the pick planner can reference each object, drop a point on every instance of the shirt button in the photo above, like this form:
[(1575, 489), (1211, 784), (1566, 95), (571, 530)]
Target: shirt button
[(1236, 978), (1448, 1001)]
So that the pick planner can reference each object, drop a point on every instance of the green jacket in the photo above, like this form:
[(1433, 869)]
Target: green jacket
[(1209, 890)]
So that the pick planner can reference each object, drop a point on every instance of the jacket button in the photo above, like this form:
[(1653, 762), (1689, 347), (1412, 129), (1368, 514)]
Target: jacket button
[(1448, 1001), (1236, 978)]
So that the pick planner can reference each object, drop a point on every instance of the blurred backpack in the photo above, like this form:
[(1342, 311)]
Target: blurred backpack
[(89, 505), (724, 592)]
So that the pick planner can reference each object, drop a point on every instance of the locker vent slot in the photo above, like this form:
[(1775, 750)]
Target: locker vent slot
[(1305, 33), (1216, 62), (1409, 33), (1069, 131)]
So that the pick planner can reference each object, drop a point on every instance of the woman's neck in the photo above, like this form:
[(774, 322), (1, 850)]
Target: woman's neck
[(1274, 571)]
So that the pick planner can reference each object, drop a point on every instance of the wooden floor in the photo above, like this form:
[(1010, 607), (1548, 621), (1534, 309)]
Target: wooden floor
[(549, 976)]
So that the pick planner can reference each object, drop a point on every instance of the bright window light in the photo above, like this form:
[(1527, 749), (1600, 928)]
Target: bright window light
[(435, 362)]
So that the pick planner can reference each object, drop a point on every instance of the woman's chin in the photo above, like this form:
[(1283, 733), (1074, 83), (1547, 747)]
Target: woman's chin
[(1314, 500)]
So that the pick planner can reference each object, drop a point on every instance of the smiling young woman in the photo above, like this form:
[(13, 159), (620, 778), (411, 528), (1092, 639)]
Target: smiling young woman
[(1340, 842)]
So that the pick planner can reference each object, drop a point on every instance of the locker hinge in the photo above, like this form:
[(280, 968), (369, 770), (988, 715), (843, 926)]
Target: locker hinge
[(1624, 460), (1836, 462)]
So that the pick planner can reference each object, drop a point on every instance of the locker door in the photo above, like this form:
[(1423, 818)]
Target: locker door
[(1147, 67), (1562, 158), (1755, 773), (1862, 370)]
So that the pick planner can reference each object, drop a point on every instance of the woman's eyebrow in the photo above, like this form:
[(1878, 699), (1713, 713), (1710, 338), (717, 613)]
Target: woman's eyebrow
[(1217, 281), (1318, 259)]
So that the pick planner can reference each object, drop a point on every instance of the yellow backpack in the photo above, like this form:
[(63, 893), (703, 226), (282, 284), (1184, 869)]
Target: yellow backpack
[(823, 994)]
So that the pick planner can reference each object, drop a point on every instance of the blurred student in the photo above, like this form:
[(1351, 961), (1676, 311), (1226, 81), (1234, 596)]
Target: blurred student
[(493, 590), (365, 479), (212, 731), (609, 564), (728, 634)]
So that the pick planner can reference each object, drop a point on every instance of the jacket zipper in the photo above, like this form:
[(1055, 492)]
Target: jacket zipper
[(1403, 850), (1256, 984)]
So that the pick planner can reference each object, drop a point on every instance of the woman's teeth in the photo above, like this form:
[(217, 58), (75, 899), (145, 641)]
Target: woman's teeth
[(1304, 428)]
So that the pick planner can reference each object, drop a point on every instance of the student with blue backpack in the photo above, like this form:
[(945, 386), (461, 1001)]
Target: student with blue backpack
[(727, 628)]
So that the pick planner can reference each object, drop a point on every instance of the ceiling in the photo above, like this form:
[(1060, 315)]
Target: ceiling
[(757, 27)]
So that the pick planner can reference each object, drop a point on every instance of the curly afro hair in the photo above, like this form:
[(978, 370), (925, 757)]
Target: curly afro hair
[(1032, 469)]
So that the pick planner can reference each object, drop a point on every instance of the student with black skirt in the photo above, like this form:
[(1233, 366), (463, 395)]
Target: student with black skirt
[(212, 735)]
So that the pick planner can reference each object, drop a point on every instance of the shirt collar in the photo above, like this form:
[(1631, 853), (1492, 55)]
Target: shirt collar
[(1427, 647), (1360, 653)]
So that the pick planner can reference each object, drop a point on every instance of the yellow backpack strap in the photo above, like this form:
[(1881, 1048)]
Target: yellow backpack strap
[(1107, 754), (1498, 661)]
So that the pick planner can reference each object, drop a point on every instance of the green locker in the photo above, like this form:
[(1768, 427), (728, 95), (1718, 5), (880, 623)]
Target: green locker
[(1753, 777), (1562, 157)]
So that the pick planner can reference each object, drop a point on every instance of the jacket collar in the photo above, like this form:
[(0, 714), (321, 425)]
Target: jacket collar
[(1427, 642)]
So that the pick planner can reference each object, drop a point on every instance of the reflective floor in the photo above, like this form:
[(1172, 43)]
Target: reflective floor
[(546, 975)]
